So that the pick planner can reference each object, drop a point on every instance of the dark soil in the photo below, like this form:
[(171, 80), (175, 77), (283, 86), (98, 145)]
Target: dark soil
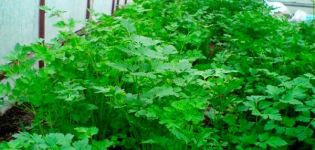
[(14, 121)]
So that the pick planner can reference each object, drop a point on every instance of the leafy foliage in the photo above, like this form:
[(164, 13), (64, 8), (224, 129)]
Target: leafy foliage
[(28, 141), (173, 74)]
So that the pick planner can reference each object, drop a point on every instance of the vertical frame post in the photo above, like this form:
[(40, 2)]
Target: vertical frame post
[(113, 7), (41, 32), (88, 6), (117, 4)]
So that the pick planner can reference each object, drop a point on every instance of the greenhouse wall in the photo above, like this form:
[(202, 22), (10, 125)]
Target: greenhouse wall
[(18, 24), (75, 9), (22, 22)]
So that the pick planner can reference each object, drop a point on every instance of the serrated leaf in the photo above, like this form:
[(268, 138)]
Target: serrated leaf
[(276, 142), (82, 145), (118, 66), (60, 24), (302, 133), (145, 41), (168, 50), (299, 92), (249, 139), (128, 24), (151, 54), (274, 91), (162, 91), (310, 76), (251, 106), (100, 89), (183, 65), (304, 118), (272, 114), (102, 145), (45, 8), (289, 122), (144, 74), (181, 105), (289, 98), (303, 82), (270, 125), (256, 98), (264, 104), (230, 119), (149, 141), (263, 137), (180, 135), (86, 133)]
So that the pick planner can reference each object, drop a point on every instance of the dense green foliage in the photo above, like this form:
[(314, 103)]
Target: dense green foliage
[(171, 74)]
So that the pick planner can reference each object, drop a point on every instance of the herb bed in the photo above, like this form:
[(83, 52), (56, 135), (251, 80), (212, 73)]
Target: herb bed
[(170, 74)]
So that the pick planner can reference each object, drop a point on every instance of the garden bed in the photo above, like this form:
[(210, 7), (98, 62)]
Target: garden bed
[(171, 75), (14, 121)]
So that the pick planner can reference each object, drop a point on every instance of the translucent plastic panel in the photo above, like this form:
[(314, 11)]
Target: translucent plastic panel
[(102, 6), (75, 9), (121, 2), (18, 24)]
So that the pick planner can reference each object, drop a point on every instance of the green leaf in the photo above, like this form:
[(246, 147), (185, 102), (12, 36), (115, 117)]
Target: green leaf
[(302, 82), (102, 145), (151, 54), (45, 8), (168, 50), (249, 139), (304, 118), (256, 98), (118, 66), (181, 105), (264, 104), (310, 76), (149, 141), (263, 137), (270, 125), (276, 142), (290, 99), (252, 106), (162, 91), (129, 25), (245, 125), (274, 91), (60, 24), (303, 133), (230, 119), (183, 65), (86, 133), (145, 41), (180, 135), (289, 122), (57, 138), (100, 89), (53, 138), (299, 92), (272, 114), (82, 145)]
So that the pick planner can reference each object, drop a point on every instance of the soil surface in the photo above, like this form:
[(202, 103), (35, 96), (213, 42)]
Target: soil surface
[(13, 121)]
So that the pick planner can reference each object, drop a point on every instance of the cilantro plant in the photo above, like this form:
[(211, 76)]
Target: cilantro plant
[(171, 74)]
